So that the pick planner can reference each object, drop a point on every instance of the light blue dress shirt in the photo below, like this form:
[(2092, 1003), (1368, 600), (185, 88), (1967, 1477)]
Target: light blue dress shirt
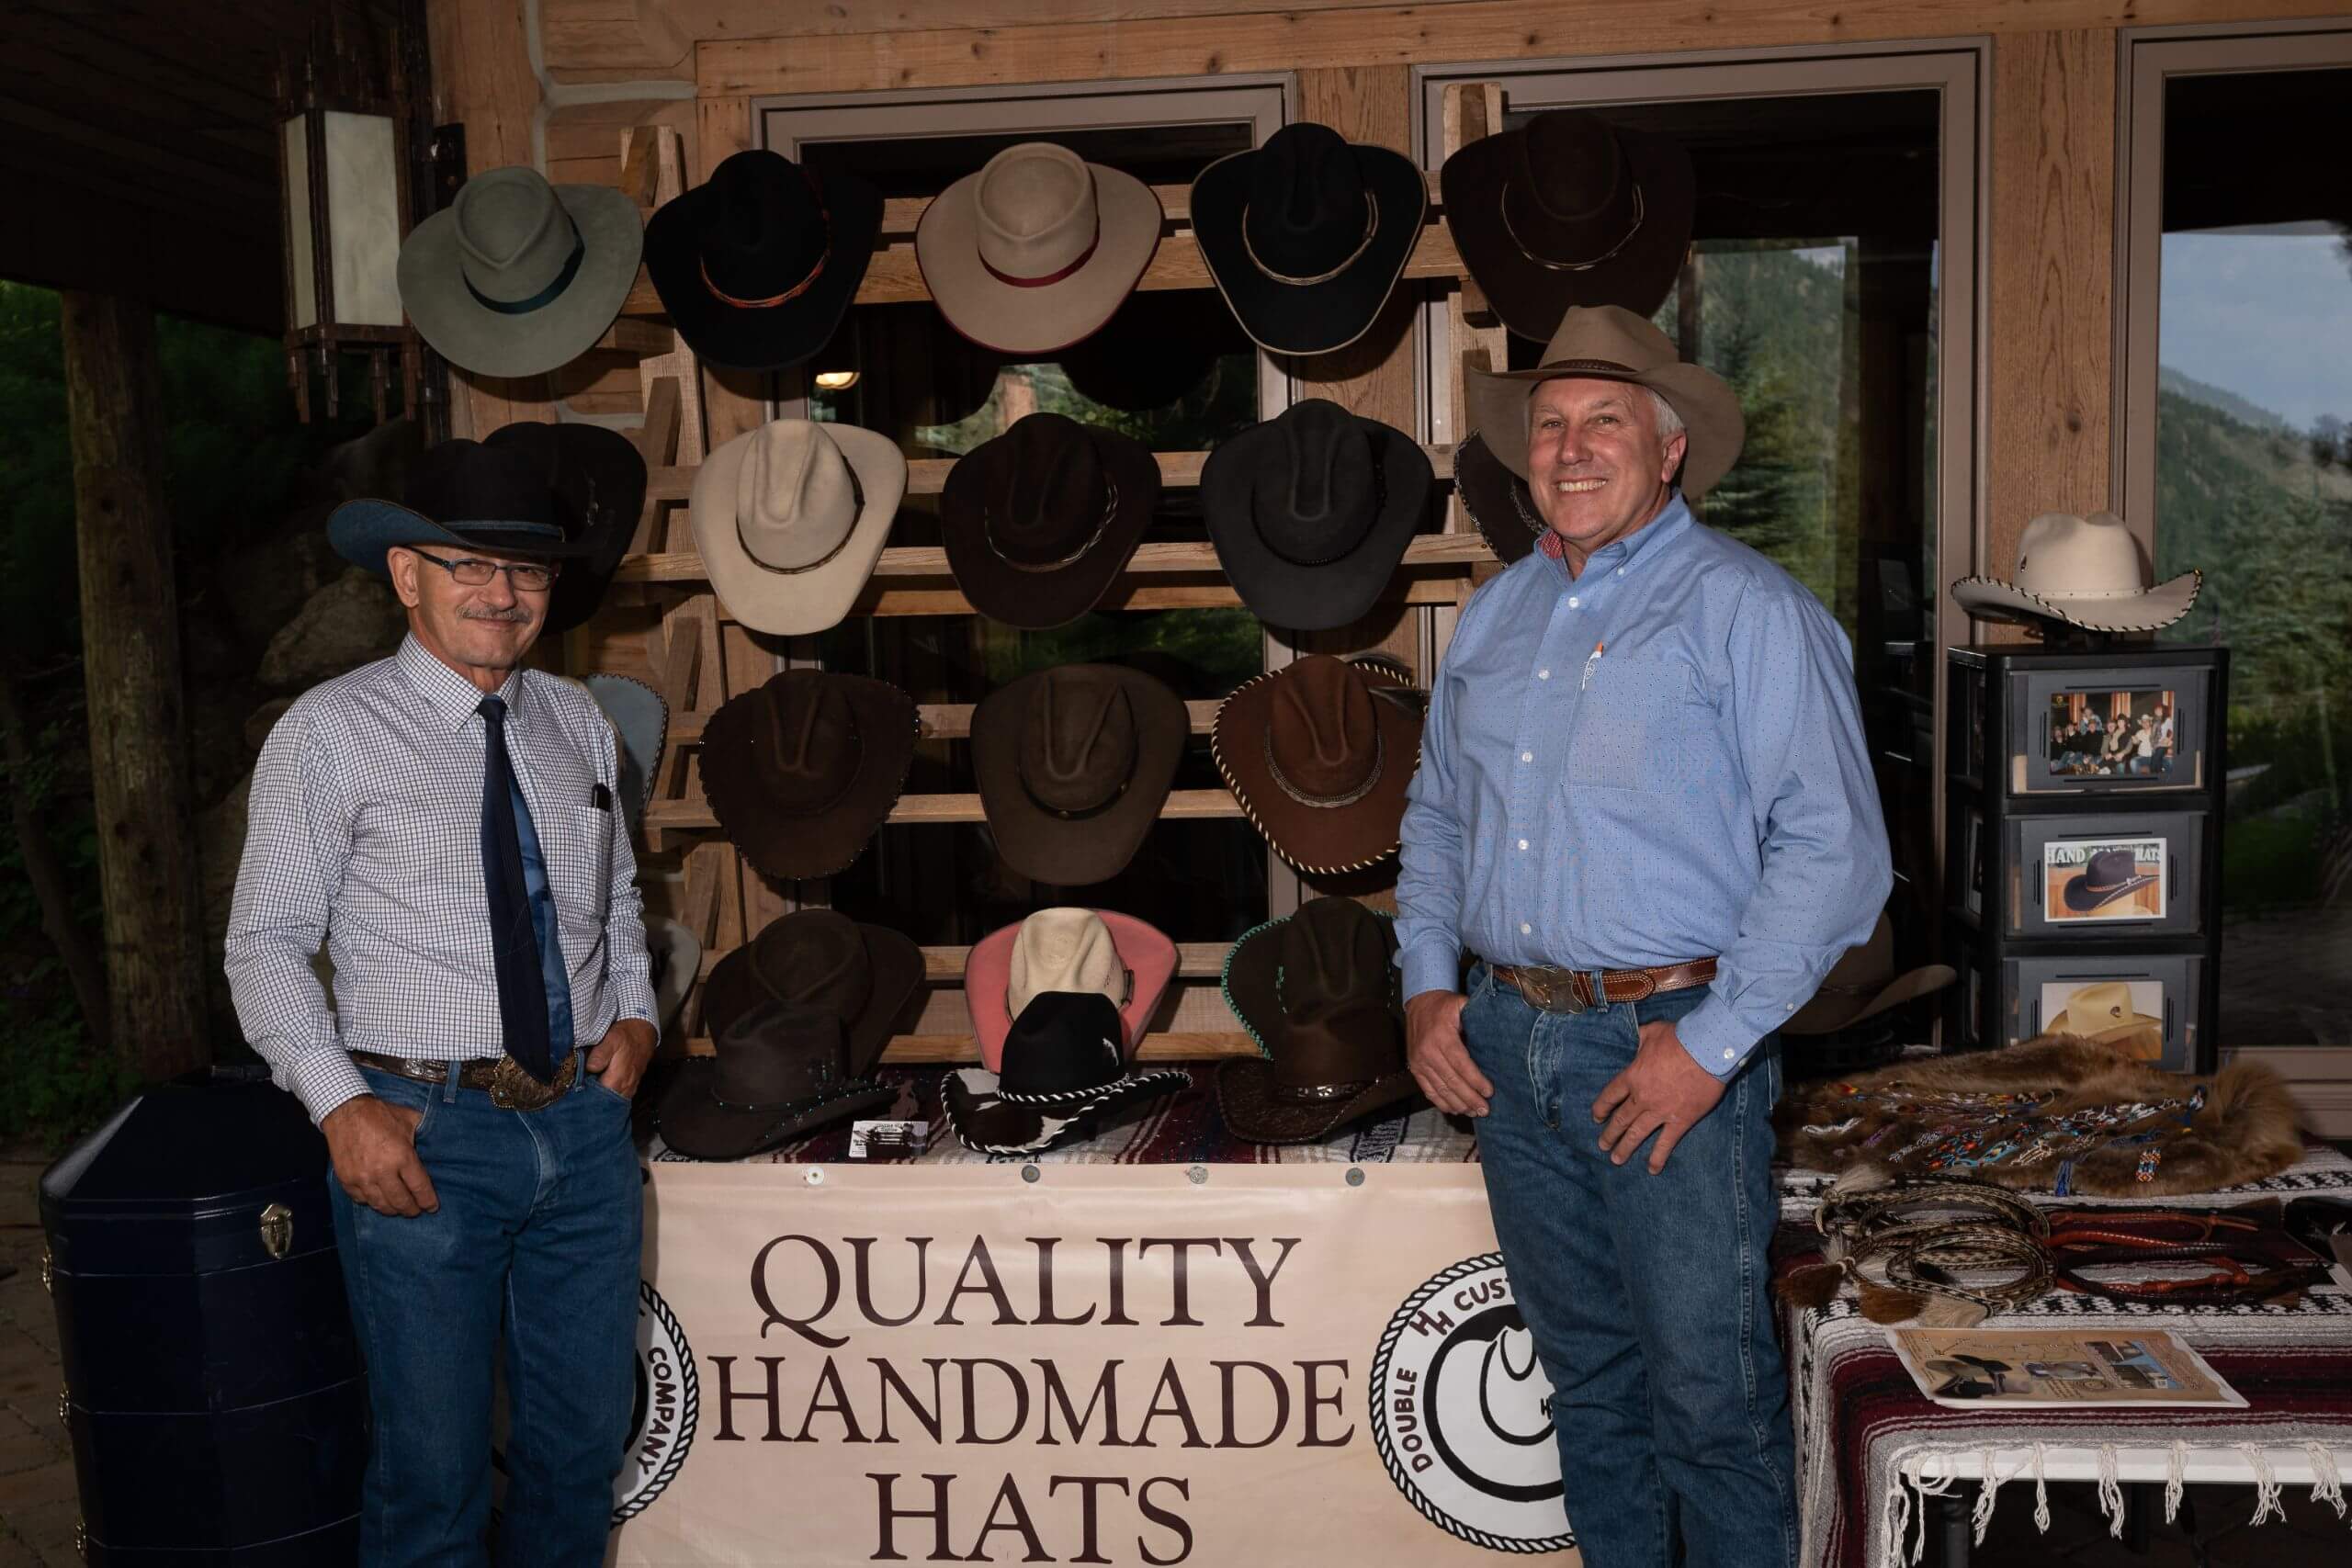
[(1656, 761)]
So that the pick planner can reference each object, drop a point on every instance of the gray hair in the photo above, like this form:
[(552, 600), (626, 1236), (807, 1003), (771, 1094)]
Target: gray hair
[(1669, 424)]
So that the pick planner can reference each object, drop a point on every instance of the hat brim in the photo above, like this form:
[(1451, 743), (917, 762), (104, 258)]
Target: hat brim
[(601, 474), (1146, 951), (640, 722), (1530, 297), (1828, 1014), (1075, 852), (1331, 594), (694, 1124), (474, 337), (1037, 322), (1040, 601), (1253, 1108), (736, 337), (1496, 502), (676, 959), (1321, 842), (1989, 599), (1331, 313), (2103, 1031), (1708, 407), (989, 1124), (362, 530), (796, 846), (894, 968), (796, 603), (2078, 895)]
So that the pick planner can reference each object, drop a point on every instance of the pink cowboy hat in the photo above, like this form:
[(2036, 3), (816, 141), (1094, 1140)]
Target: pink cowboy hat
[(1115, 955)]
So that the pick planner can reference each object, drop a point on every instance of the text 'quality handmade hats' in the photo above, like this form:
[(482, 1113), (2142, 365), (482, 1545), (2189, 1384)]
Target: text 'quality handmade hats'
[(1317, 991), (862, 974), (1036, 250), (790, 518), (781, 1072), (599, 476), (1073, 765), (517, 276), (757, 264), (1040, 521), (1318, 754), (640, 722), (1864, 984), (1311, 511), (2080, 572), (1102, 951), (801, 771), (1606, 343), (1569, 209), (461, 495), (1306, 236), (1064, 1067)]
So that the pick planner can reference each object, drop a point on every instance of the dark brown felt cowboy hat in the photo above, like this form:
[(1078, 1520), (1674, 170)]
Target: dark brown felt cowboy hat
[(1609, 344), (1040, 520), (1063, 1066), (1317, 991), (1311, 511), (2108, 875), (781, 1070), (1569, 209), (757, 264), (1319, 761), (1306, 236), (461, 495), (1862, 984), (801, 771), (1072, 765), (599, 475), (1497, 500), (862, 974)]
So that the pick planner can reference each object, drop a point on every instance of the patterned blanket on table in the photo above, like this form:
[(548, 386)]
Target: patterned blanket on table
[(1871, 1446)]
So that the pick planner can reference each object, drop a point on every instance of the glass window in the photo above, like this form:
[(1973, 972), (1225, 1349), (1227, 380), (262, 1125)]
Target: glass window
[(2238, 454)]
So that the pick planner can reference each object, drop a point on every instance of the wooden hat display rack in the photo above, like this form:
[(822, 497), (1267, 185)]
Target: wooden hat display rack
[(697, 657)]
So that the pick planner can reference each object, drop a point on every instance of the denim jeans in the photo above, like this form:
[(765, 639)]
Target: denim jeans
[(535, 1247), (1645, 1294)]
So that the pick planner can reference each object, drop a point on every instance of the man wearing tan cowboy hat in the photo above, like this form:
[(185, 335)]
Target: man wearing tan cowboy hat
[(1644, 812)]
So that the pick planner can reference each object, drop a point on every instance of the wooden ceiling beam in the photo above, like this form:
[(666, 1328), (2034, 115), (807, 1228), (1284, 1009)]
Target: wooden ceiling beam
[(135, 142)]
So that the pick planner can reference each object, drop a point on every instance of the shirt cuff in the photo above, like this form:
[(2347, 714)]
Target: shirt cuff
[(636, 1002), (1430, 965), (323, 1080), (1714, 1036)]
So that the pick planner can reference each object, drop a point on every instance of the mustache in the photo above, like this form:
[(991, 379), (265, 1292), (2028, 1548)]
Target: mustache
[(516, 616)]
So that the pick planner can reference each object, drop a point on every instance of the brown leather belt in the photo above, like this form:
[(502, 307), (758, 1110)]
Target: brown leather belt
[(1570, 990), (509, 1087)]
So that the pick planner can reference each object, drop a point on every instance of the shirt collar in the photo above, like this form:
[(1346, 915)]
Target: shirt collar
[(451, 695), (1618, 554)]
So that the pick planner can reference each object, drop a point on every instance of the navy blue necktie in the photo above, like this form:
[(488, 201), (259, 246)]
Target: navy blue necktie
[(515, 939)]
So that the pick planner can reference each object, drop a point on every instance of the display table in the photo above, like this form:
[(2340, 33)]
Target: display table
[(1164, 1346)]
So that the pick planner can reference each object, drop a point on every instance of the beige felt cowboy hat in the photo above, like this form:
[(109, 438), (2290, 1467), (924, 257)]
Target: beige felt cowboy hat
[(790, 519), (2103, 1014), (1609, 342), (2084, 572), (1035, 252)]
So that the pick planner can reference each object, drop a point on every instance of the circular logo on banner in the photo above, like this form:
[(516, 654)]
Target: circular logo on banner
[(669, 1397), (1462, 1413)]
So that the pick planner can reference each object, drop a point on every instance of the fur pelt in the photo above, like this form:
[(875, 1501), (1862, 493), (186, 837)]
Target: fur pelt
[(2244, 1131)]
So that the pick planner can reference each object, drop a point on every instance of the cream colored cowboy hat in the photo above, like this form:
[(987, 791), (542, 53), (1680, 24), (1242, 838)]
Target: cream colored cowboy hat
[(2103, 1014), (1609, 342), (790, 518), (1037, 250), (2085, 571)]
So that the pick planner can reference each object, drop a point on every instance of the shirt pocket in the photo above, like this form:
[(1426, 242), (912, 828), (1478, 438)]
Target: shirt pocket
[(1642, 725), (577, 841)]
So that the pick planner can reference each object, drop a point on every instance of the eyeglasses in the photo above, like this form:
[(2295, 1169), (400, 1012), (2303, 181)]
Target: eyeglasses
[(526, 577)]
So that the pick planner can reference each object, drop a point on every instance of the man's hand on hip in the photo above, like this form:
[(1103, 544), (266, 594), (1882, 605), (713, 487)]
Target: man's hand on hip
[(373, 1145), (1441, 1062), (619, 1059), (1665, 1091)]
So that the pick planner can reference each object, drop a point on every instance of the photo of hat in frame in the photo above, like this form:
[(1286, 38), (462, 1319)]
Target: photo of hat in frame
[(2106, 879), (2127, 1016)]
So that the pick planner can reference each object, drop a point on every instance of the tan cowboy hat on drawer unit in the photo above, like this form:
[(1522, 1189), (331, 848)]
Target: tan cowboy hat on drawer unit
[(2082, 572), (790, 519)]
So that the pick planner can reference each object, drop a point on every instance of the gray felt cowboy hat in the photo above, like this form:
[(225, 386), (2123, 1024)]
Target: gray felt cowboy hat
[(517, 276), (1609, 342)]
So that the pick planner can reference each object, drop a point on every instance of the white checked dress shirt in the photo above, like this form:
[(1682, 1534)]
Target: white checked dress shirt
[(365, 828)]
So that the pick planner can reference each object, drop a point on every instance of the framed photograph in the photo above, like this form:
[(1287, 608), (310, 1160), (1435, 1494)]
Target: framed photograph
[(2134, 729), (2126, 1016), (2114, 734), (2145, 1007), (2076, 876), (2105, 878)]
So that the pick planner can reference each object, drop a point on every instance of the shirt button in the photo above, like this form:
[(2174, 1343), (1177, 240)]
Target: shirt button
[(1572, 601), (1727, 1056), (1522, 843), (1525, 930), (1527, 756), (1621, 572), (1543, 674)]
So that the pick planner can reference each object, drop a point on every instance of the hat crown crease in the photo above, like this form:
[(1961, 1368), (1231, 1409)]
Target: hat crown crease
[(765, 225), (816, 763), (1320, 505), (514, 235), (796, 498), (1330, 747), (1054, 497), (815, 962), (1062, 950), (1036, 210), (1073, 757), (1308, 207), (2062, 556)]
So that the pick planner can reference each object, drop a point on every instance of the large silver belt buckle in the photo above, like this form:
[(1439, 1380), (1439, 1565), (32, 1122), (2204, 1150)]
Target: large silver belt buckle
[(1555, 989), (512, 1088)]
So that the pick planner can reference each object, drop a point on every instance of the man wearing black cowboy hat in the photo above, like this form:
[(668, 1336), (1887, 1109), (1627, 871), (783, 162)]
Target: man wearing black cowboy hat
[(447, 821)]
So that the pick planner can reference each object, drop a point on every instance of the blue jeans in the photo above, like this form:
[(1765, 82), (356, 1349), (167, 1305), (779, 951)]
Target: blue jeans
[(535, 1243), (1645, 1294)]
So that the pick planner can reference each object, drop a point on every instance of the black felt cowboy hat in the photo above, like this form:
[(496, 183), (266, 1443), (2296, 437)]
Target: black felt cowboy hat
[(781, 1070), (1064, 1066), (1039, 521), (801, 771), (1319, 759), (1306, 236), (1569, 209), (462, 495), (860, 972), (1497, 500), (1311, 511), (757, 264), (1317, 991), (1863, 983), (2108, 875), (1073, 765), (600, 477)]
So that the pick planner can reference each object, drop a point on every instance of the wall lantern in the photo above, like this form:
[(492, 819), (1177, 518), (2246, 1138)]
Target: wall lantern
[(343, 159)]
